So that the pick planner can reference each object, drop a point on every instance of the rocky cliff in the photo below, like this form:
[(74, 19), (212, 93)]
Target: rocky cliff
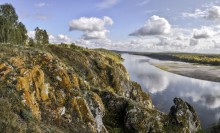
[(78, 90)]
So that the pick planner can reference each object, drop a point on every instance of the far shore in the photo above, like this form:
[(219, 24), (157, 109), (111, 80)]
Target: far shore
[(198, 66), (197, 71)]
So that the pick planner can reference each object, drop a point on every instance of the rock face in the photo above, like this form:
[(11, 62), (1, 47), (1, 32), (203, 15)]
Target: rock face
[(183, 115), (78, 90)]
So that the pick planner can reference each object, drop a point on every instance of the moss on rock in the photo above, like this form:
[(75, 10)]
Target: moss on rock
[(74, 89)]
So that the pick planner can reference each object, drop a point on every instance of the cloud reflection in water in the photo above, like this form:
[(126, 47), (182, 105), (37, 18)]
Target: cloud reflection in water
[(164, 86), (151, 80)]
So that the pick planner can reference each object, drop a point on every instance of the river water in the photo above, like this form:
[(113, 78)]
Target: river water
[(163, 86)]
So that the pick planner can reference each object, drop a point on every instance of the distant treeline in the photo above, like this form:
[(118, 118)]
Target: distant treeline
[(208, 59)]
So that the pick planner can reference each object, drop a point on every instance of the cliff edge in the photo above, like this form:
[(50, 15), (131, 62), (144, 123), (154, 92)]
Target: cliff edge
[(78, 90)]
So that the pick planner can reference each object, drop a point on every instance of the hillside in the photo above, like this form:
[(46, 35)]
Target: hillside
[(73, 89)]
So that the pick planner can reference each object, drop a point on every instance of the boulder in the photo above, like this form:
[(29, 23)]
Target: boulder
[(183, 118)]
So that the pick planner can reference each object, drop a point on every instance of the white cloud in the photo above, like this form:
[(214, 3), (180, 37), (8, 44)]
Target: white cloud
[(170, 43), (179, 40), (31, 34), (214, 13), (216, 45), (210, 13), (95, 35), (98, 43), (54, 39), (60, 39), (92, 28), (154, 26), (155, 44), (42, 4), (204, 32), (197, 14), (193, 42), (107, 4)]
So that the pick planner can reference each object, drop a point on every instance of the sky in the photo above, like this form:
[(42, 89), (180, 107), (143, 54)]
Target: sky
[(131, 25)]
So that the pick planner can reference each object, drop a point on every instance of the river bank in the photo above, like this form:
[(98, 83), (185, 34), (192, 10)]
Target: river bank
[(197, 71)]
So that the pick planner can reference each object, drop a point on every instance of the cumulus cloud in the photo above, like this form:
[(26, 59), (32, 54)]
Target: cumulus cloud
[(90, 24), (98, 43), (178, 40), (204, 32), (193, 42), (154, 26), (216, 45), (95, 35), (214, 12), (172, 43), (60, 39), (211, 13), (107, 4), (92, 28)]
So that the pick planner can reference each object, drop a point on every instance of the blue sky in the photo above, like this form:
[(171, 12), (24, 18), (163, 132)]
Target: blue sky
[(142, 25)]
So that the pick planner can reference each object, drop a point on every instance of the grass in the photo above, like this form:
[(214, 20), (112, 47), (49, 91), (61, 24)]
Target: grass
[(114, 56)]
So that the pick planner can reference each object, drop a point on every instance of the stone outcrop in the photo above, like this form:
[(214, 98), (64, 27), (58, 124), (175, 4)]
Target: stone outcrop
[(74, 89), (183, 116)]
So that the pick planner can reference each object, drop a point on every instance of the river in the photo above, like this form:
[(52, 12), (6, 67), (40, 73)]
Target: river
[(163, 86)]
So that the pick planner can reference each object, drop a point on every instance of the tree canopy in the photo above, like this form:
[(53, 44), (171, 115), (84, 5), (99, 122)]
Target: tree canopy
[(11, 30), (41, 36)]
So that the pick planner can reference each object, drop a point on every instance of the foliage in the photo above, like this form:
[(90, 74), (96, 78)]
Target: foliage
[(11, 30), (208, 59), (41, 36), (112, 55), (31, 42)]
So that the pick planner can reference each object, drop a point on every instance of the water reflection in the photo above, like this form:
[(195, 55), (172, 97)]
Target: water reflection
[(164, 86), (137, 66)]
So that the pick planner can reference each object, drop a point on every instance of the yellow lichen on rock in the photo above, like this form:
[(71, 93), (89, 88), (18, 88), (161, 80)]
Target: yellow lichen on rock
[(75, 106), (98, 100), (82, 108), (65, 80), (47, 57), (4, 73), (2, 65), (31, 102), (32, 83), (45, 92), (22, 84), (4, 70), (37, 76), (17, 62), (75, 81)]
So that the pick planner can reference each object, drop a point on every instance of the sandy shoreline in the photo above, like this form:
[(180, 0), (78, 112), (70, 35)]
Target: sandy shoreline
[(203, 72)]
